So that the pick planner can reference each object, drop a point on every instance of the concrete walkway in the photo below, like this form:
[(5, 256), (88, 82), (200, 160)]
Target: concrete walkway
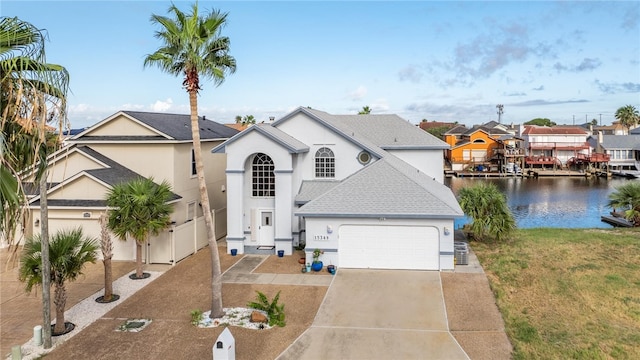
[(242, 273), (380, 314)]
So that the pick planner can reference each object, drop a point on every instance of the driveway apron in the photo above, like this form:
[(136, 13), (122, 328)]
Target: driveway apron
[(380, 314)]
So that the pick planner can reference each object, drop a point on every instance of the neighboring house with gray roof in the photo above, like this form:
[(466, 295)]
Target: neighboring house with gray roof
[(367, 190), (623, 151), (125, 146)]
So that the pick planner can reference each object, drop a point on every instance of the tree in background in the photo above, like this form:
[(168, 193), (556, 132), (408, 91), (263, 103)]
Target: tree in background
[(139, 208), (68, 252), (487, 207), (627, 198), (628, 116), (365, 111), (194, 46), (246, 120), (541, 122), (32, 93)]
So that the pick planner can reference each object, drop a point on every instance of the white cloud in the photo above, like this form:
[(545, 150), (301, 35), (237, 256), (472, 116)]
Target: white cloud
[(358, 94), (380, 106), (162, 106), (410, 73)]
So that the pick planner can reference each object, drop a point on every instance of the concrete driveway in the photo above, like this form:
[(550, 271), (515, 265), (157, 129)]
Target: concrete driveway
[(380, 314)]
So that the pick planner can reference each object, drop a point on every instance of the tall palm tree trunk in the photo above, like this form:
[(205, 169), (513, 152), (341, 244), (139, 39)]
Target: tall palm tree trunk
[(60, 300), (108, 280), (139, 260), (107, 253), (46, 263), (216, 274)]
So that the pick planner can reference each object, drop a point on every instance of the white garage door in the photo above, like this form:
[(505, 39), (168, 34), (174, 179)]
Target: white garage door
[(389, 247)]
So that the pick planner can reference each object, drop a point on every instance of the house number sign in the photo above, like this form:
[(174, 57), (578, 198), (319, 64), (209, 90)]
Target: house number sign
[(320, 237)]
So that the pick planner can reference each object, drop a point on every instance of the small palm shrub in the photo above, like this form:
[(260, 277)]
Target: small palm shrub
[(196, 317), (274, 311)]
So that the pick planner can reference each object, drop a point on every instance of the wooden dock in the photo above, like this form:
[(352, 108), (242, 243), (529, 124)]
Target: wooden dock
[(616, 221)]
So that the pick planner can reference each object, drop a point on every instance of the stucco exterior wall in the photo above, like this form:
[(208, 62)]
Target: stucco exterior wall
[(82, 188), (69, 164), (429, 162), (122, 125)]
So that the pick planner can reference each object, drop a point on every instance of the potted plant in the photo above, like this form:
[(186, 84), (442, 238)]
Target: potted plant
[(331, 269), (316, 265)]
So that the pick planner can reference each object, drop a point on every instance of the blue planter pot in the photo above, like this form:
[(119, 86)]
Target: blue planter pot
[(234, 252), (316, 266)]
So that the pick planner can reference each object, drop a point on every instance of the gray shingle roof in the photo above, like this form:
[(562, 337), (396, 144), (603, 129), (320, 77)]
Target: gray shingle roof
[(311, 189), (292, 144), (72, 203), (174, 126), (178, 126), (387, 188), (387, 131), (620, 141)]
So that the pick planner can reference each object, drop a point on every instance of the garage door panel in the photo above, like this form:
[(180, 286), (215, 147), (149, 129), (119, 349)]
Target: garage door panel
[(389, 247)]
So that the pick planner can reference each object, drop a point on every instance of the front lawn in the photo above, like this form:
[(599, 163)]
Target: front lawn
[(568, 293)]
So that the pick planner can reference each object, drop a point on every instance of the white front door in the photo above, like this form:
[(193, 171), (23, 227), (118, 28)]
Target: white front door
[(265, 228)]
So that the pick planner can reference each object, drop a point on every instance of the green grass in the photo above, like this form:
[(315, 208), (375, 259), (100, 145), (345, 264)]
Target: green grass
[(568, 293)]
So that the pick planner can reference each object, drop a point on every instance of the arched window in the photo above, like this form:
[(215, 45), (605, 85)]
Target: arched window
[(263, 179), (479, 141), (325, 163)]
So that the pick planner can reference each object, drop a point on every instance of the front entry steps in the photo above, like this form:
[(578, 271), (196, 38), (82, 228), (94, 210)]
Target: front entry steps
[(260, 250)]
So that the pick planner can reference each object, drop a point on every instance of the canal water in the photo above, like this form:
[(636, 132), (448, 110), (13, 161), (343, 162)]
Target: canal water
[(558, 202)]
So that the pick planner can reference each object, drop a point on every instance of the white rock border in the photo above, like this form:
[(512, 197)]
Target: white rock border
[(234, 317)]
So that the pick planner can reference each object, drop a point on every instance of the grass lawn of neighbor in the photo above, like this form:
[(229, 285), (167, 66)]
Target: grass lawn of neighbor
[(568, 293)]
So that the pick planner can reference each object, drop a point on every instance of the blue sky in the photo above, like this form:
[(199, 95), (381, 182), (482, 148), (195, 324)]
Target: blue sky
[(443, 61)]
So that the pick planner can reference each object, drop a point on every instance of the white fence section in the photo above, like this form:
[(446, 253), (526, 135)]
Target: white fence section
[(189, 238), (220, 219)]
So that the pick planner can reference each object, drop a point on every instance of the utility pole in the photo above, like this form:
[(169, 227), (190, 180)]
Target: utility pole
[(574, 119), (500, 108), (600, 119)]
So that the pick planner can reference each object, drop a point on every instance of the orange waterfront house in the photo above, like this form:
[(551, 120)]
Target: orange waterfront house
[(472, 149)]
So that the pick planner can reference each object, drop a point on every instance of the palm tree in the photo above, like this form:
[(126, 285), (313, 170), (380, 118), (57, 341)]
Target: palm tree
[(106, 246), (627, 198), (628, 116), (365, 110), (488, 209), (139, 208), (32, 92), (69, 251), (192, 47)]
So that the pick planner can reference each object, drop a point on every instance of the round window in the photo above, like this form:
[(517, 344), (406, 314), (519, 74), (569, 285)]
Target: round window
[(364, 157)]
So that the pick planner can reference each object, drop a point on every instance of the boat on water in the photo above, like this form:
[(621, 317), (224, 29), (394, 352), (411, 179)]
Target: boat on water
[(629, 174)]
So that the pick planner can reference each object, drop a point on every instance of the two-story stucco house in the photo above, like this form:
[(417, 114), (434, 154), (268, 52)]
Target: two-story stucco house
[(124, 146), (367, 190)]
